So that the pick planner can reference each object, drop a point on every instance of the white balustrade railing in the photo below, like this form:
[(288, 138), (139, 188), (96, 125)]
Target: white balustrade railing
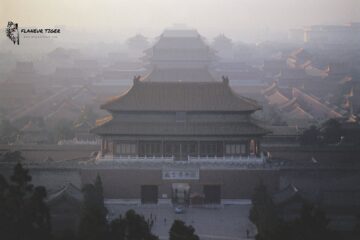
[(228, 159), (246, 160), (130, 158)]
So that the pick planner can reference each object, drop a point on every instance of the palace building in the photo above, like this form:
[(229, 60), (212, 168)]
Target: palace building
[(179, 55), (180, 48), (180, 120), (178, 135), (186, 142)]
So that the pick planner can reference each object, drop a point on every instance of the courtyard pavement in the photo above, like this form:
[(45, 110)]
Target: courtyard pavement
[(228, 222)]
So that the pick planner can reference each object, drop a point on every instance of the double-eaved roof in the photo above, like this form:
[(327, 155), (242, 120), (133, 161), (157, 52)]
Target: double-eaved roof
[(179, 129), (181, 96)]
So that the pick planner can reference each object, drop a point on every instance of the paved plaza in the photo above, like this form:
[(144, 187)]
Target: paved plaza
[(228, 222)]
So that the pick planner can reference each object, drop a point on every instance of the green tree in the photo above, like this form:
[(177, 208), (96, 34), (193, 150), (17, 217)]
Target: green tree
[(118, 229), (39, 213), (68, 234), (356, 230), (180, 231), (263, 215), (331, 131), (93, 224), (311, 225), (24, 214), (4, 211), (310, 136), (99, 189), (131, 227)]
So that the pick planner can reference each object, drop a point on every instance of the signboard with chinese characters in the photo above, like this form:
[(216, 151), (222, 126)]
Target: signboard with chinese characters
[(180, 174)]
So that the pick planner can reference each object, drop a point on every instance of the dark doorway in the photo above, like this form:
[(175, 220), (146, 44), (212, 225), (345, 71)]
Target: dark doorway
[(212, 194), (149, 194), (180, 193)]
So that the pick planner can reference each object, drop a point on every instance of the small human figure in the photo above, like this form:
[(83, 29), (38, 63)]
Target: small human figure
[(164, 220), (247, 233)]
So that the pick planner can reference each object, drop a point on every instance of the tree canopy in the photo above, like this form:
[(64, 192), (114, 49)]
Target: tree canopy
[(263, 215), (329, 132), (311, 223), (180, 231), (93, 223), (23, 212), (131, 227)]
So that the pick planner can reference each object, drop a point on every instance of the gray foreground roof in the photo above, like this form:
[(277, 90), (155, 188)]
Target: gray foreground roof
[(67, 192)]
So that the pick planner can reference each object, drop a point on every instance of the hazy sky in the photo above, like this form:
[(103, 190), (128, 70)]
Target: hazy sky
[(236, 18)]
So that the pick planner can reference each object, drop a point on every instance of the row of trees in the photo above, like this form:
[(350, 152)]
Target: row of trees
[(311, 224), (132, 226), (330, 132), (23, 212), (24, 215), (62, 129)]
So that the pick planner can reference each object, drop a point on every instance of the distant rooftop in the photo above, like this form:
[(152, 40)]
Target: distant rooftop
[(169, 33), (179, 75)]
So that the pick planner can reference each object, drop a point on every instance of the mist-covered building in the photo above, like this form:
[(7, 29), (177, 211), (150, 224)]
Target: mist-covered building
[(179, 55), (168, 141), (193, 113)]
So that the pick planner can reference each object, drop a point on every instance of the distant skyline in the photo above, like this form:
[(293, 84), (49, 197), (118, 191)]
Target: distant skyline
[(238, 19)]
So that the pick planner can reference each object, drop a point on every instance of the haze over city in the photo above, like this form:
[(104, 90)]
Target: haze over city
[(242, 20), (180, 120)]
